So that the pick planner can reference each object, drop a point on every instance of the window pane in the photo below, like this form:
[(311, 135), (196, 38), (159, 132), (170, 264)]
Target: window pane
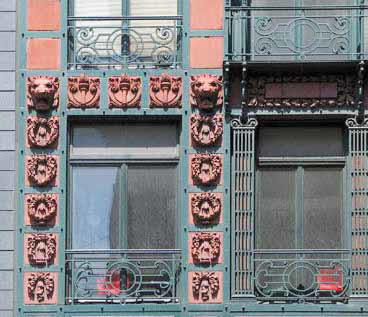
[(95, 214), (153, 7), (275, 210), (126, 140), (322, 208), (300, 141), (152, 207)]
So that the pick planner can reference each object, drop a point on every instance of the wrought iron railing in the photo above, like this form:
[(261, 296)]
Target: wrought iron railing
[(324, 32), (124, 42), (122, 276), (302, 275)]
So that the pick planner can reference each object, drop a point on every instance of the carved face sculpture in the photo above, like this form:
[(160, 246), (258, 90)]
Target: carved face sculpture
[(43, 92), (42, 132), (205, 207), (206, 169), (206, 130), (205, 286), (41, 248), (41, 208), (40, 286), (206, 247), (206, 91), (41, 169)]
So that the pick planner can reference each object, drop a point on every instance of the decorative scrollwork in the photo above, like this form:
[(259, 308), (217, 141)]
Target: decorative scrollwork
[(206, 130), (41, 208), (42, 93), (125, 92), (206, 168), (166, 91), (111, 45), (42, 132), (41, 169), (41, 248), (353, 123), (206, 208), (83, 92)]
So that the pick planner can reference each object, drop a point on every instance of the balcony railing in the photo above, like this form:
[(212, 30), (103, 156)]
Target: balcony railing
[(124, 42), (295, 33), (302, 275), (122, 276)]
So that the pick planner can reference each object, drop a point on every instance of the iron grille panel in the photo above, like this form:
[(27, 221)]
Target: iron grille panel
[(358, 151), (242, 210)]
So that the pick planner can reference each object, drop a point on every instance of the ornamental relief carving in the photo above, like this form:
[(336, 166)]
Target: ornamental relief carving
[(41, 248), (206, 169), (83, 92), (42, 132), (206, 91), (41, 170), (125, 92), (42, 93), (166, 91), (205, 287), (41, 209), (205, 208), (206, 130), (345, 91), (40, 288), (205, 247)]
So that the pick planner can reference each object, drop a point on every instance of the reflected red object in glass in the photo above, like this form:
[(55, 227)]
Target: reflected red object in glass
[(111, 284), (330, 280)]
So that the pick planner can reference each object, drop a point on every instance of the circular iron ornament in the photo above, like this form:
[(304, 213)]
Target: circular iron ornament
[(291, 278), (310, 35), (125, 46), (133, 275), (86, 55)]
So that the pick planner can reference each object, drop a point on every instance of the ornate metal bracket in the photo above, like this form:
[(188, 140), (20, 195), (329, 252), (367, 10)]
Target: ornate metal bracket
[(244, 92), (227, 88), (361, 73)]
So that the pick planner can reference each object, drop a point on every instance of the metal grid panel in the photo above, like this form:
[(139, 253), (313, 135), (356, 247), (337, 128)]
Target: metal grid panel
[(358, 147), (242, 209)]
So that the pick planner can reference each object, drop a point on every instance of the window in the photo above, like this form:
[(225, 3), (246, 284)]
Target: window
[(123, 211), (300, 225), (124, 33)]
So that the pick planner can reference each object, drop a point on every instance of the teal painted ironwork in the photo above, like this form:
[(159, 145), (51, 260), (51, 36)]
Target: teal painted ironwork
[(123, 42), (303, 32), (242, 209), (358, 156), (122, 276)]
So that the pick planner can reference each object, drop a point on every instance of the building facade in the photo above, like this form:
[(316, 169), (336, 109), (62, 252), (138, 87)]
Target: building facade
[(183, 158)]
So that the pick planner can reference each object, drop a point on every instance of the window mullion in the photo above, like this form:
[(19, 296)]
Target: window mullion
[(299, 208), (123, 206)]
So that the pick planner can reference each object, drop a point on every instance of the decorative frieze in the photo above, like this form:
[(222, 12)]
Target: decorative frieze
[(166, 91), (41, 209), (206, 91), (40, 288), (42, 132), (302, 91), (41, 170), (41, 248), (83, 92), (206, 169), (205, 287), (125, 92), (42, 93), (206, 130), (205, 247), (205, 208)]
